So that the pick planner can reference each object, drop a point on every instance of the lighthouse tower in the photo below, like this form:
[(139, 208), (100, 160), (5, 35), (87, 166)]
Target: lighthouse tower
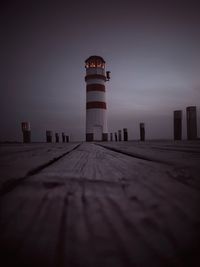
[(96, 120)]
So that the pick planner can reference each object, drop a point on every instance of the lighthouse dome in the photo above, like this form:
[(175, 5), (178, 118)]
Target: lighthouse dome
[(95, 58)]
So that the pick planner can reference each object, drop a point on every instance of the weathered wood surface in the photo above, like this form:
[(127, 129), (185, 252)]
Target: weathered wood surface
[(184, 156), (97, 207), (20, 160)]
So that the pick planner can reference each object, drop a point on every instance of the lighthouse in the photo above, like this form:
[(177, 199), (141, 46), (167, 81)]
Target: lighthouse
[(96, 108)]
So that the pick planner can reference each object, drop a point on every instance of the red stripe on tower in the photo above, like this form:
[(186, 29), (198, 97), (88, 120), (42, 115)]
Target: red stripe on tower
[(95, 76), (96, 87), (96, 104)]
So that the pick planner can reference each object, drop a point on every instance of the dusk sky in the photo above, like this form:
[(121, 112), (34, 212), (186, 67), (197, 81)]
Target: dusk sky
[(152, 49)]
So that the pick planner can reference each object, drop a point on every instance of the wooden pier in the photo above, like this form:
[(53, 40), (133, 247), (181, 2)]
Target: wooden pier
[(104, 205)]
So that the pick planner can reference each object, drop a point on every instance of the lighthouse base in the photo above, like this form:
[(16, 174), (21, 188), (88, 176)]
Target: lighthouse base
[(104, 137), (26, 136), (90, 137)]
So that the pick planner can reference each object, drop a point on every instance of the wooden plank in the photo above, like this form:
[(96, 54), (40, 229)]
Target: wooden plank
[(96, 207)]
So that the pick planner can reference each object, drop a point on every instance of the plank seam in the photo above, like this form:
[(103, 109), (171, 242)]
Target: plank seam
[(12, 183)]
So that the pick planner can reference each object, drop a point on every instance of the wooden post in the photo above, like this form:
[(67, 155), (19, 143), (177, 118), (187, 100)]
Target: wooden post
[(26, 130), (177, 125), (49, 136), (142, 131), (63, 137), (120, 135), (57, 137), (191, 123), (125, 131), (116, 137)]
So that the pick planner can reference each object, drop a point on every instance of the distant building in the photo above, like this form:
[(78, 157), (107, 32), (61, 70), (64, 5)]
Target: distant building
[(177, 124), (96, 119), (191, 123)]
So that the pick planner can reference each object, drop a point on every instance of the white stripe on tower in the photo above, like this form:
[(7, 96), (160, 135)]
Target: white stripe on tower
[(95, 81), (93, 96)]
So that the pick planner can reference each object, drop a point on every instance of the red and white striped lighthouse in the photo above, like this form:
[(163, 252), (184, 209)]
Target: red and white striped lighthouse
[(96, 120)]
